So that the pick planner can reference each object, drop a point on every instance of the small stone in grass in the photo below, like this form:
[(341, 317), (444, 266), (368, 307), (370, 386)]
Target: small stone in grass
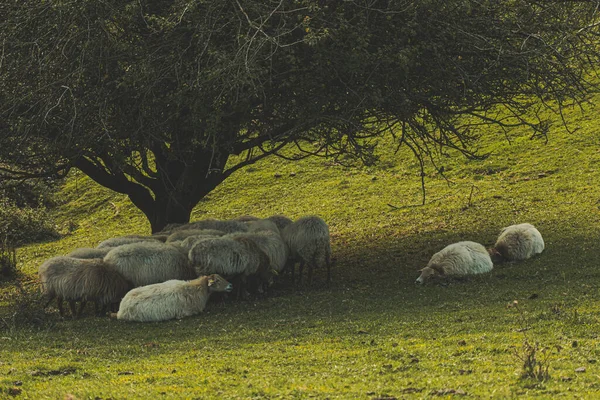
[(580, 369)]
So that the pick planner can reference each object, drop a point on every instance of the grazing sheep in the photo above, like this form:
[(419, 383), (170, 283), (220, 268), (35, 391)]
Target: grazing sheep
[(89, 252), (280, 220), (308, 242), (517, 242), (118, 241), (73, 279), (262, 225), (182, 234), (170, 299), (145, 263), (225, 226), (457, 259)]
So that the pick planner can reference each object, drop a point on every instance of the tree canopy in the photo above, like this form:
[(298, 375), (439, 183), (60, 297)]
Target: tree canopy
[(153, 98)]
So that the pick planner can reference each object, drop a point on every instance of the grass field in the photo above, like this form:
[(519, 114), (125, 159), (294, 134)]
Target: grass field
[(372, 333)]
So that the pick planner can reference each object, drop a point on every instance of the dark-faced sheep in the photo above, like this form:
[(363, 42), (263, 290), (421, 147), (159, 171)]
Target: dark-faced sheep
[(308, 242), (457, 259), (517, 242), (170, 299), (145, 263), (72, 279)]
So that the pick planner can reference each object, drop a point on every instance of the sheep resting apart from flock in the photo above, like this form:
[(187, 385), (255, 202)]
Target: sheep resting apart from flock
[(457, 259), (517, 242), (308, 242), (145, 263), (73, 279), (171, 299)]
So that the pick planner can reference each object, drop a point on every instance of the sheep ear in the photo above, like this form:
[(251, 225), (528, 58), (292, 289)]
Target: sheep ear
[(211, 281)]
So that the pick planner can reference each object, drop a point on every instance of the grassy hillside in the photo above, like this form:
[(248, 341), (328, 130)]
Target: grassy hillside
[(372, 333)]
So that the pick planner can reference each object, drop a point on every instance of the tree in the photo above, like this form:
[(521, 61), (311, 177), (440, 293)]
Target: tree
[(163, 100)]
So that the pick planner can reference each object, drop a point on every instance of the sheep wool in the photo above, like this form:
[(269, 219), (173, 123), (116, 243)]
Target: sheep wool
[(519, 242), (280, 220), (89, 252), (170, 299), (224, 256), (184, 233), (145, 263), (119, 241), (73, 279), (308, 242), (262, 225), (457, 259), (270, 243), (224, 226)]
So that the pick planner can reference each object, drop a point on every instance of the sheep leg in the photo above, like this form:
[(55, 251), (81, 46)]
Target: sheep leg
[(310, 271), (59, 303), (73, 307), (81, 307), (328, 263), (50, 298), (300, 270)]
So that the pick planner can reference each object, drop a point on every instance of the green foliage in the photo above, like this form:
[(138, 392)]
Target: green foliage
[(156, 100), (21, 225)]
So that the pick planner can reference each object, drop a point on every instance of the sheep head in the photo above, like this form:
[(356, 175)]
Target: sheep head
[(429, 272), (216, 283)]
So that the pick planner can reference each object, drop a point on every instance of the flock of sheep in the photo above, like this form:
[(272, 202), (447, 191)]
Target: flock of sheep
[(171, 274), (515, 243)]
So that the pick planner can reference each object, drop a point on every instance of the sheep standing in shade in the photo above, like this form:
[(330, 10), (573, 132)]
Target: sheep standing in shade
[(308, 242), (280, 220), (90, 252), (145, 263), (119, 241), (224, 226), (457, 259), (262, 225), (73, 279), (184, 233), (517, 242), (170, 299)]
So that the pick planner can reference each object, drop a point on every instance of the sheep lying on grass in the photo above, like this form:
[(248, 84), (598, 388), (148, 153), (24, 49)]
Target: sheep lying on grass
[(308, 242), (145, 263), (517, 242), (457, 259), (170, 299), (90, 252), (72, 279)]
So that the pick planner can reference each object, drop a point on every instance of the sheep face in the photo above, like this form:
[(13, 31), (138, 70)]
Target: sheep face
[(216, 283), (496, 256), (427, 273)]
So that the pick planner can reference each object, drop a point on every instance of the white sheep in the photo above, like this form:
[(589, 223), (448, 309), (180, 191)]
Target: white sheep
[(308, 242), (270, 243), (90, 252), (121, 240), (73, 279), (457, 259), (145, 263), (517, 242), (170, 299)]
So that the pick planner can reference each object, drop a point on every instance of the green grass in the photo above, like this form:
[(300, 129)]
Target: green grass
[(373, 333)]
